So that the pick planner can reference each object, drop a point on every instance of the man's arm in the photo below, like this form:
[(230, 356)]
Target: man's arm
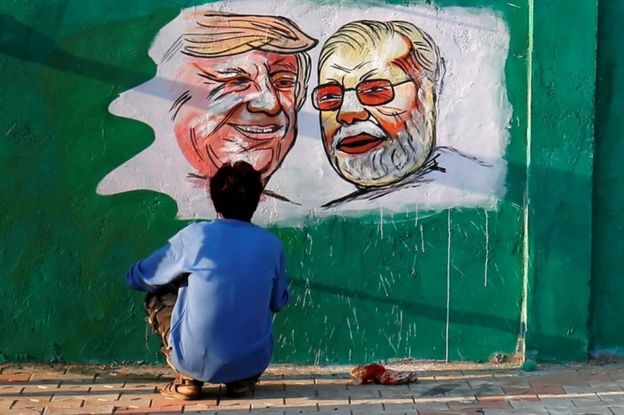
[(279, 295), (160, 268)]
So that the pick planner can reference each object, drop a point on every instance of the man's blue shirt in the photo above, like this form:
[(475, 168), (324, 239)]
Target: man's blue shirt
[(221, 323)]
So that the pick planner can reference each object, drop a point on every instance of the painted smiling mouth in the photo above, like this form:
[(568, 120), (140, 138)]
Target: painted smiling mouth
[(359, 144), (257, 129)]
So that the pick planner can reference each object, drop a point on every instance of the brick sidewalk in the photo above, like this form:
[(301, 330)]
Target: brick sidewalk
[(442, 389)]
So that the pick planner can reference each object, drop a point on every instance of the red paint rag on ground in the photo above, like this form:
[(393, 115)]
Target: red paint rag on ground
[(378, 374)]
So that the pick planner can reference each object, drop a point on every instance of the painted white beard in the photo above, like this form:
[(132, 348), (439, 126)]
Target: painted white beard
[(394, 159)]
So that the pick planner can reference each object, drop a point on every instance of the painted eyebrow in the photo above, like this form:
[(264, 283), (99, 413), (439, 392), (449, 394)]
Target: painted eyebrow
[(347, 70), (237, 71), (283, 64), (369, 74), (215, 78)]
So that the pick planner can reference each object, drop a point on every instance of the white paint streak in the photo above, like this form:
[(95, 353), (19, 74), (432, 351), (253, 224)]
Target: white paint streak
[(529, 135), (382, 284), (350, 330), (448, 286), (391, 343), (487, 250)]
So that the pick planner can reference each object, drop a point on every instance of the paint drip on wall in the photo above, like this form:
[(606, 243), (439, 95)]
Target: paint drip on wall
[(344, 109)]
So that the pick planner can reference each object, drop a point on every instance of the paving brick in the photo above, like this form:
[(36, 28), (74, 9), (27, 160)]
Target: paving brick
[(331, 381), (27, 406), (102, 397), (42, 376), (167, 404), (557, 403), (73, 388), (591, 375), (98, 407), (259, 403), (507, 411), (39, 400), (11, 390), (270, 384), (426, 411), (397, 391), (267, 411), (228, 404), (485, 388), (507, 398), (537, 390), (65, 402), (34, 390), (332, 393), (203, 405), (335, 407), (130, 401), (371, 408), (5, 404), (143, 411), (613, 396), (581, 411), (300, 401), (459, 406), (592, 389), (142, 386), (106, 386), (80, 411), (403, 408), (527, 404), (584, 402), (616, 409), (299, 381), (444, 399), (15, 377)]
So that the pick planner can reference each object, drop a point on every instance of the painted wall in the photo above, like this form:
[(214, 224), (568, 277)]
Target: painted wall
[(607, 282), (444, 280)]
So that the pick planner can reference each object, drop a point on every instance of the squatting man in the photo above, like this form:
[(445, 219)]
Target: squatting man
[(213, 289)]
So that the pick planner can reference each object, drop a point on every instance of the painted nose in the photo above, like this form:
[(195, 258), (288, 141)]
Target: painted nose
[(351, 110), (266, 101)]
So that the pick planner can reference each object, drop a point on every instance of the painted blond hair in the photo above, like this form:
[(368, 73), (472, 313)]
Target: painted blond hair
[(216, 34), (365, 33)]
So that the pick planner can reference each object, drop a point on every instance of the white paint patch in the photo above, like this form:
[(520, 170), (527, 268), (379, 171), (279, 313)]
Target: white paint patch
[(473, 116)]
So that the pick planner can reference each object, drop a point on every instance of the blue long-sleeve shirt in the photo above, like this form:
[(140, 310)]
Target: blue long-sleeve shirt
[(221, 323)]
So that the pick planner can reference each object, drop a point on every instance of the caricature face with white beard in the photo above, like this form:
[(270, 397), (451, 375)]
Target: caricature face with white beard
[(377, 112)]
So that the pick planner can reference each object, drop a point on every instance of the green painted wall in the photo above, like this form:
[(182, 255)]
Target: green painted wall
[(559, 190), (607, 328), (362, 289)]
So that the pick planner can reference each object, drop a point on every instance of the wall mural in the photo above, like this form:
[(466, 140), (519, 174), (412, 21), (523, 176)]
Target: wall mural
[(408, 109)]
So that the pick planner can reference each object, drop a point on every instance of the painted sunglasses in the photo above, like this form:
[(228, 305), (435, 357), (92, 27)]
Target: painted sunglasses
[(329, 97)]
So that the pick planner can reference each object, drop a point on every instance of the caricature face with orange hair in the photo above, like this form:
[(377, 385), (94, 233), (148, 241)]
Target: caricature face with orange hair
[(242, 96), (242, 108)]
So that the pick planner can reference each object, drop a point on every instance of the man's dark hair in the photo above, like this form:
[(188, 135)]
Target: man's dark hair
[(235, 190)]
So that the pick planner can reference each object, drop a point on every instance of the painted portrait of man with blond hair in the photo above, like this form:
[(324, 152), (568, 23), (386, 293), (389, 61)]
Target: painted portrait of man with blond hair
[(228, 88), (242, 80)]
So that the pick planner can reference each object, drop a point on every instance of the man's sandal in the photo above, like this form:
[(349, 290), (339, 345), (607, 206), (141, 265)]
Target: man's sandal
[(183, 389)]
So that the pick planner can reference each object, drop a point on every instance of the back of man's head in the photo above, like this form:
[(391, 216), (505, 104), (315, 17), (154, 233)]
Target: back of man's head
[(235, 190)]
